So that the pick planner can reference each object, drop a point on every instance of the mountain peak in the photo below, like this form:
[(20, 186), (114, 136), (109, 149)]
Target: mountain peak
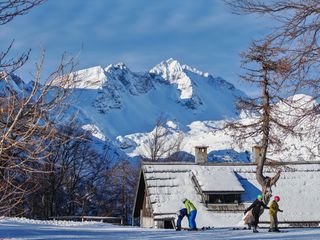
[(168, 67), (172, 67), (117, 66), (96, 77), (173, 63), (172, 71)]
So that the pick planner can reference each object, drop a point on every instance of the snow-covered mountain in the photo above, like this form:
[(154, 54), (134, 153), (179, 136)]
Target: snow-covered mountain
[(120, 108), (118, 101)]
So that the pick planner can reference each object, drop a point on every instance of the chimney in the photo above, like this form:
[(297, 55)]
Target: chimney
[(257, 152), (201, 155)]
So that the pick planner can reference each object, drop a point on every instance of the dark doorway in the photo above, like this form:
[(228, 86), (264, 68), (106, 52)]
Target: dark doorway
[(168, 224)]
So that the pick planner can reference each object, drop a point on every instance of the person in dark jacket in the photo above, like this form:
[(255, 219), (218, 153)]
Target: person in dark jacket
[(181, 214), (256, 208)]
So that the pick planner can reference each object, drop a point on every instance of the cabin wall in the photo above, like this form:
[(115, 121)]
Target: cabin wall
[(147, 222), (146, 218), (146, 207)]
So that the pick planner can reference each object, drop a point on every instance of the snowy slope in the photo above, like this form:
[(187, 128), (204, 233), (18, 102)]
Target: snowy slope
[(15, 228), (223, 148)]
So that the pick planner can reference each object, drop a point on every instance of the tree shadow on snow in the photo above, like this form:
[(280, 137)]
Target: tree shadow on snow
[(251, 191)]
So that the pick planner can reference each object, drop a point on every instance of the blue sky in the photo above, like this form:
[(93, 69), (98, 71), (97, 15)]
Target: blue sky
[(140, 33)]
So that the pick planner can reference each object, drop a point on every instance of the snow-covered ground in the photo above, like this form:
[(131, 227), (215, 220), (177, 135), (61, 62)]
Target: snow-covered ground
[(15, 228)]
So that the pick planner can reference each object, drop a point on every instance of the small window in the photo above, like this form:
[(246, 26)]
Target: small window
[(224, 198)]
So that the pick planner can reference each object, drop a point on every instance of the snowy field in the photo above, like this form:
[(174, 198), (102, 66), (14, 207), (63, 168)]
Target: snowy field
[(31, 229)]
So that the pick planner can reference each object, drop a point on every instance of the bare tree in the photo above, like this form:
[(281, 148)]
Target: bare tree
[(29, 113), (64, 171), (76, 179), (12, 8), (162, 143), (27, 119), (297, 30), (9, 10), (123, 176), (288, 62), (267, 68)]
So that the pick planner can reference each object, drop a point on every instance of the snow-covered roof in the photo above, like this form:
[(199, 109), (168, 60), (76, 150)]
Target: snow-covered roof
[(212, 180), (168, 184)]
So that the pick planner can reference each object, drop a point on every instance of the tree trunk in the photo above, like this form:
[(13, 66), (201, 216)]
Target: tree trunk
[(265, 182)]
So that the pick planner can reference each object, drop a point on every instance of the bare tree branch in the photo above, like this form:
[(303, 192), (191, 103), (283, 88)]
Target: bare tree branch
[(10, 9), (162, 143)]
